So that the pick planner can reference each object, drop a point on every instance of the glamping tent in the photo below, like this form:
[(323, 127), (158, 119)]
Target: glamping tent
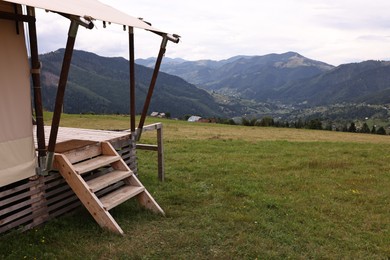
[(17, 150), (31, 190)]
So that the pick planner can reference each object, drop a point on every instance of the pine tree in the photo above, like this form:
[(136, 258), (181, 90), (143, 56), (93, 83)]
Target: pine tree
[(365, 129), (352, 128), (381, 131)]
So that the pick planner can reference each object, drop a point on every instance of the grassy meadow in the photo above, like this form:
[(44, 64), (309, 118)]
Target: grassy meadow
[(235, 192)]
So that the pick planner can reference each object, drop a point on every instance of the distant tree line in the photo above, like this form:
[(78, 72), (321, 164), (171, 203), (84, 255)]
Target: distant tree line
[(316, 124), (365, 129)]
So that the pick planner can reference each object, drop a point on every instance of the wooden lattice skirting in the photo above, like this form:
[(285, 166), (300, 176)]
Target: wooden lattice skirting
[(31, 202)]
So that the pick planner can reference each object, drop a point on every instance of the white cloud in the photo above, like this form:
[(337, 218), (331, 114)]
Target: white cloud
[(332, 31)]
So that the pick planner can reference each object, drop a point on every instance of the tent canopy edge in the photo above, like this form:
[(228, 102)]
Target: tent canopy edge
[(94, 10)]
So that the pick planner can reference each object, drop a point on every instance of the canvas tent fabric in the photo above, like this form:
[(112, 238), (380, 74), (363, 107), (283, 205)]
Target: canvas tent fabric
[(17, 152), (88, 8)]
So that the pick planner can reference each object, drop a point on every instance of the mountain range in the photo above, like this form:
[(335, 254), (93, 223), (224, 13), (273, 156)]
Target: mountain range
[(289, 78), (238, 86)]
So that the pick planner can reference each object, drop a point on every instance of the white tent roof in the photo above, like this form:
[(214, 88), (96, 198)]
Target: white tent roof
[(88, 8), (193, 118)]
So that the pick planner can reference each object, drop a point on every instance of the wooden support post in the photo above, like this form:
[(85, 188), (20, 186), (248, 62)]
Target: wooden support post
[(132, 98), (61, 92), (132, 80), (160, 154), (36, 79), (159, 148), (151, 87), (41, 204)]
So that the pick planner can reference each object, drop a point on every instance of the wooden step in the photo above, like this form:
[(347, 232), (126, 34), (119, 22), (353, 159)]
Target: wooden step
[(107, 179), (115, 198), (95, 163)]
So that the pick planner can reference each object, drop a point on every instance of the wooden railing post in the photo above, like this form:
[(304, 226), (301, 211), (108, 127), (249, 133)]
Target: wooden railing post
[(159, 148), (160, 153)]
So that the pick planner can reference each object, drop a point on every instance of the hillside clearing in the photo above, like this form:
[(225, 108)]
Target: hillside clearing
[(236, 192)]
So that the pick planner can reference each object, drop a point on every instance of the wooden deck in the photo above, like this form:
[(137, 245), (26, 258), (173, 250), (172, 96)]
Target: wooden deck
[(117, 138), (33, 201), (69, 133)]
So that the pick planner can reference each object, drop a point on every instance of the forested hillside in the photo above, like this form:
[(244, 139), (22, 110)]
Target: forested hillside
[(101, 85)]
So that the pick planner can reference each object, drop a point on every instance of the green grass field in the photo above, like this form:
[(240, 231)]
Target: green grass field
[(235, 192)]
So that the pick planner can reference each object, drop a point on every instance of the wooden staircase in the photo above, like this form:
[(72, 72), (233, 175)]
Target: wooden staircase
[(102, 193)]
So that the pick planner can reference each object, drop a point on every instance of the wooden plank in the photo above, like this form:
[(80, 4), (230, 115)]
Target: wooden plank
[(61, 197), (128, 157), (109, 189), (83, 153), (73, 144), (17, 223), (148, 147), (66, 209), (23, 195), (56, 191), (62, 203), (151, 127), (69, 133), (145, 199), (53, 175), (120, 142), (160, 155), (90, 200), (107, 149), (120, 165), (124, 151), (95, 163), (55, 183), (18, 206), (36, 212), (129, 162), (116, 137), (18, 188), (107, 179), (117, 197), (15, 216)]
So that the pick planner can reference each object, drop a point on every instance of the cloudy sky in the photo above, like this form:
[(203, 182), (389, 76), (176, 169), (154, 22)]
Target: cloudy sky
[(333, 31)]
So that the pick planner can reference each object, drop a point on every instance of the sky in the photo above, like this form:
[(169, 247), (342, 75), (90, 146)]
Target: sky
[(332, 31)]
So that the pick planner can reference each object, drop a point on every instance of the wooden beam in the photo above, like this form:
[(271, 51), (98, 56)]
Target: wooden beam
[(147, 147), (132, 80), (152, 85), (160, 154), (36, 79), (61, 91), (16, 17), (152, 127)]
